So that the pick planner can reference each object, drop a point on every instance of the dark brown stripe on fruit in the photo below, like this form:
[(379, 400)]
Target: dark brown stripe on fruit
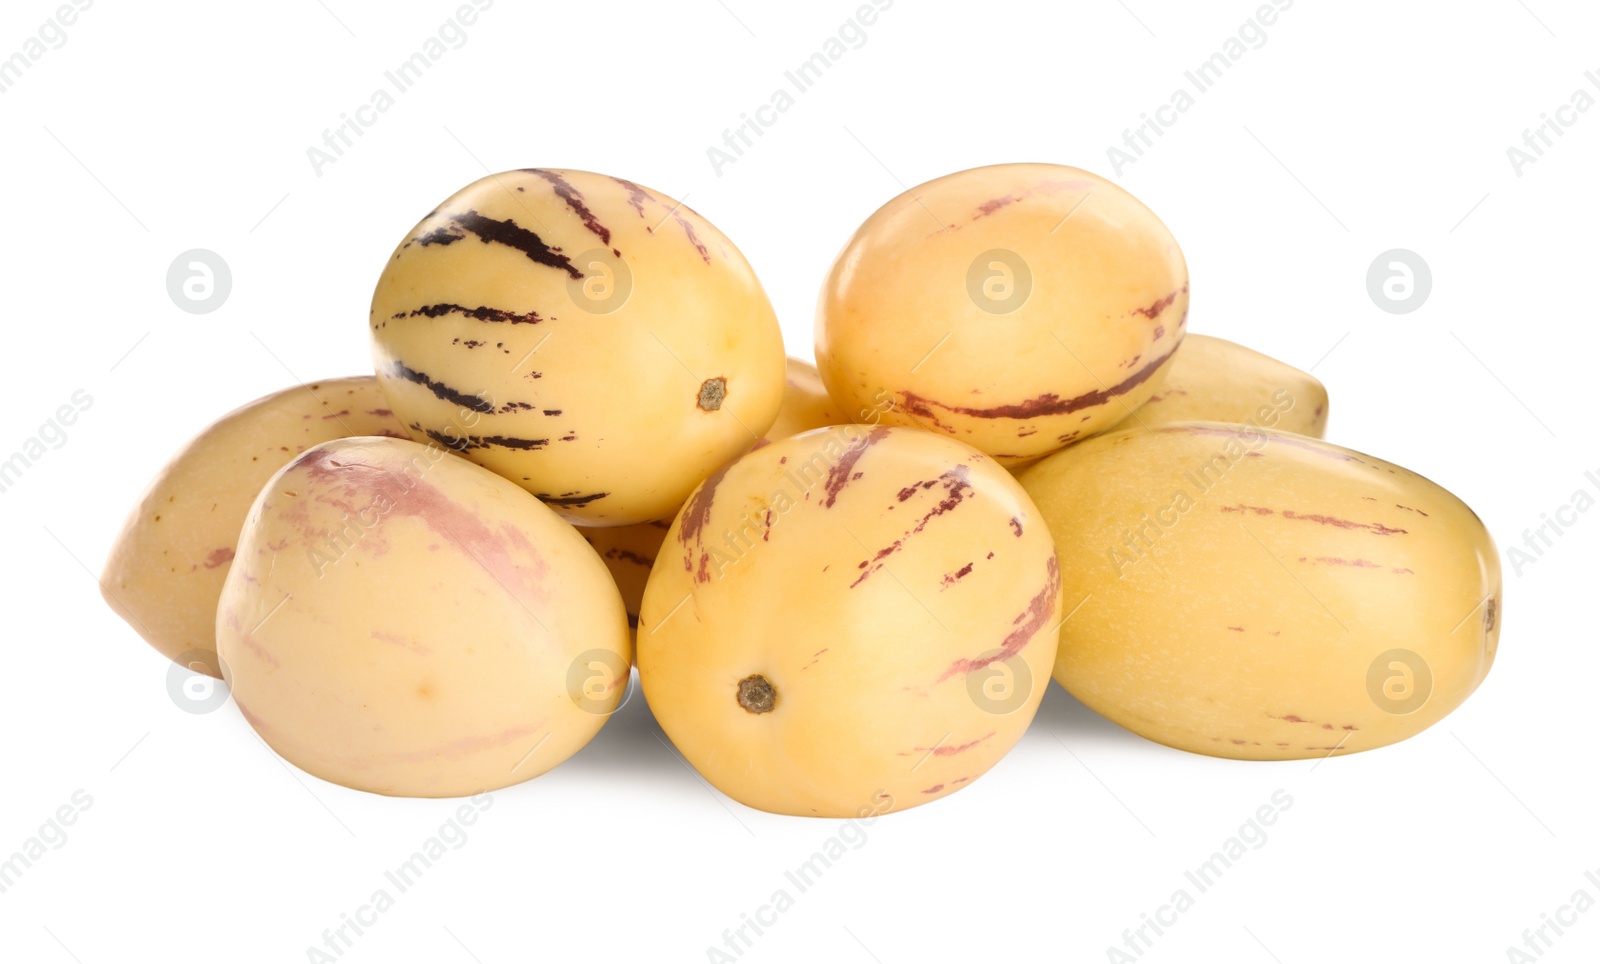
[(574, 200), (507, 442), (441, 390), (1160, 305), (843, 472), (696, 513), (1043, 405), (957, 488), (453, 443), (1033, 619), (571, 499), (480, 313), (694, 239), (506, 232), (445, 235), (626, 556), (466, 443), (636, 195)]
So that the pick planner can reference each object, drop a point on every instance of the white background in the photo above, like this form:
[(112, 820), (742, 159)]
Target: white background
[(1358, 127)]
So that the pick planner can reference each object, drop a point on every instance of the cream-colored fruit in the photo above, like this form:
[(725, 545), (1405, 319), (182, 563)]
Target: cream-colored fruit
[(1215, 380), (595, 342), (402, 621), (806, 404), (166, 568), (1018, 308), (850, 620), (1260, 595)]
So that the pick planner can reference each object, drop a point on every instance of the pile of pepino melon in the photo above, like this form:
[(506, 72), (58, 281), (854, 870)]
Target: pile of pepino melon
[(845, 587)]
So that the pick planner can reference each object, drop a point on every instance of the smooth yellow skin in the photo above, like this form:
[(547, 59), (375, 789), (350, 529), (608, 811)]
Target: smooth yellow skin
[(402, 621), (1241, 588), (567, 330), (166, 568), (1018, 308), (896, 588), (1215, 380), (806, 404)]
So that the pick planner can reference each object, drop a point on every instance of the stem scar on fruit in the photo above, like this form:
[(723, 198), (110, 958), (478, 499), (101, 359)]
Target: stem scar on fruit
[(712, 392), (757, 695)]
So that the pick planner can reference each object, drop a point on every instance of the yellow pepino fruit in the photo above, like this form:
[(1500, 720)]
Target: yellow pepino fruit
[(402, 621), (850, 620), (1018, 308), (594, 341), (1215, 380), (168, 564), (1260, 595)]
